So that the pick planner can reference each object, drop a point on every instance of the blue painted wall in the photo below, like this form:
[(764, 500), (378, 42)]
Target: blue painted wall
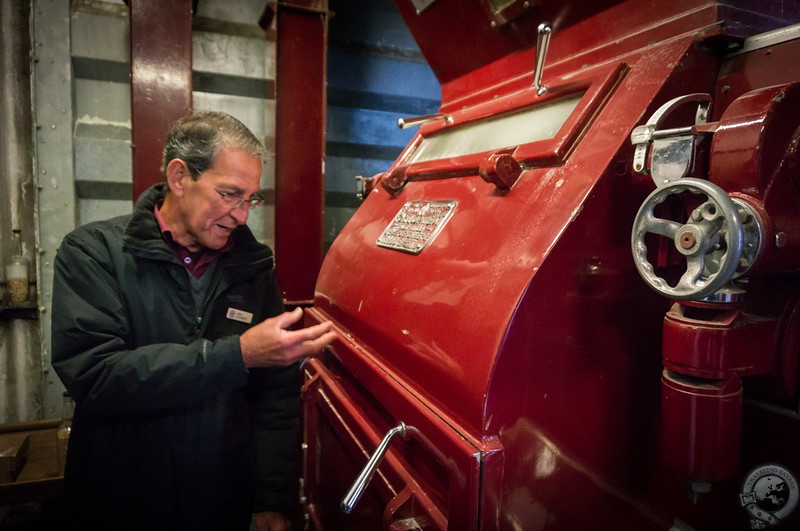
[(376, 74)]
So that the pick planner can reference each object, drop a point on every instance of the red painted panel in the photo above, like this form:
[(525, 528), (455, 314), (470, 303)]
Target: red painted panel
[(438, 463), (457, 39), (161, 81)]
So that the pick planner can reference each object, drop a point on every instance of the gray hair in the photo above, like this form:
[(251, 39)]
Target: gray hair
[(198, 138)]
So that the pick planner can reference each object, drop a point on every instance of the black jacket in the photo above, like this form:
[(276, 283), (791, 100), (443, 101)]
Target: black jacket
[(170, 430)]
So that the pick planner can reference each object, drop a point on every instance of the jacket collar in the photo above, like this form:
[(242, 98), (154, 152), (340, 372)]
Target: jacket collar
[(143, 236)]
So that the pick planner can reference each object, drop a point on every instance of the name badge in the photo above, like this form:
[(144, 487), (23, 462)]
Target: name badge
[(239, 315)]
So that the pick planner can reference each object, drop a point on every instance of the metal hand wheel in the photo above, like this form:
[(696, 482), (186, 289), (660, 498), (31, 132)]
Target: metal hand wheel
[(711, 240)]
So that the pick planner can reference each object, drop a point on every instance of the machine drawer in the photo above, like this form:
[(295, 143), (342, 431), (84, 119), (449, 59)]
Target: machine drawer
[(427, 479)]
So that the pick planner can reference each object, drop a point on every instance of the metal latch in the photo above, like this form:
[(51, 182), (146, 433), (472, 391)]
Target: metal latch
[(671, 154)]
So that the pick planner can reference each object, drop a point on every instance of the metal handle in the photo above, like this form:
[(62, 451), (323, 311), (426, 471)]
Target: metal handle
[(402, 123), (543, 33), (354, 494)]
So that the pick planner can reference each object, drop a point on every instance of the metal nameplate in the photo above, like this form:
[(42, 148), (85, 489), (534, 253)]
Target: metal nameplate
[(416, 225)]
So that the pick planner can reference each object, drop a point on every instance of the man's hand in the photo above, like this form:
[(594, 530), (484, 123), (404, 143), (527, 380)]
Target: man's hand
[(271, 521), (269, 344)]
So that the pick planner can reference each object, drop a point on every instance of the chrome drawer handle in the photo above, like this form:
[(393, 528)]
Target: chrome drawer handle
[(354, 494)]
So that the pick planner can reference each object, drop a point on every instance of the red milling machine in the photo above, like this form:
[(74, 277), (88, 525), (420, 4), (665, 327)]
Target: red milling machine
[(573, 301)]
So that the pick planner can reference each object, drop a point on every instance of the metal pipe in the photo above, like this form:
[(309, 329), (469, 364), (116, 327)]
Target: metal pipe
[(20, 391), (15, 114)]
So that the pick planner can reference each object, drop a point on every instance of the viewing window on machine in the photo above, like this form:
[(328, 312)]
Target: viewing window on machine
[(528, 124)]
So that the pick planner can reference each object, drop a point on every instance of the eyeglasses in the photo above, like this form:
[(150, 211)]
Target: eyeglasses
[(235, 201)]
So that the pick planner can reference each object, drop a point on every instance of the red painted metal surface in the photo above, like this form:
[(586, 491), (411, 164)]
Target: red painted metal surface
[(300, 144), (702, 423), (161, 81), (521, 344), (767, 176), (500, 169), (719, 343), (348, 404)]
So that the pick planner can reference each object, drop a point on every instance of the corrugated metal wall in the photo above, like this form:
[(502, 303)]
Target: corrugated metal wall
[(83, 112), (233, 71), (376, 74), (81, 140)]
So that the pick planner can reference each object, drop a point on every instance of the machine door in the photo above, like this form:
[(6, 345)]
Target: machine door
[(422, 473)]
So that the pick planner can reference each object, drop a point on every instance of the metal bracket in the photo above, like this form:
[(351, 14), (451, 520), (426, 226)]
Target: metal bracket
[(678, 150)]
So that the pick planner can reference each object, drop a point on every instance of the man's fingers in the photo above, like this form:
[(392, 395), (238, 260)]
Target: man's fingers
[(309, 349), (319, 343), (309, 334), (270, 344), (312, 340), (287, 319)]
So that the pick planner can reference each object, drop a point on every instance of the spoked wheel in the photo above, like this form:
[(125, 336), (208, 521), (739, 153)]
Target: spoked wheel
[(711, 240)]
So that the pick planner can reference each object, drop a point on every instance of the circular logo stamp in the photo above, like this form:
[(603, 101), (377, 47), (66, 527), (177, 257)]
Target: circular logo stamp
[(769, 495)]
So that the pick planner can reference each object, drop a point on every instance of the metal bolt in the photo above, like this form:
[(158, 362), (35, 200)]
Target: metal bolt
[(687, 240), (780, 239)]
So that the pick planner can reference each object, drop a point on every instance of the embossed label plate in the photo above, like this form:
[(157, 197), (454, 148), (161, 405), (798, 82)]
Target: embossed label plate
[(416, 225)]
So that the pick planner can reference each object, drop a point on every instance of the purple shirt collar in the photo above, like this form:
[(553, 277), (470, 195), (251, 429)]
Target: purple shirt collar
[(195, 263)]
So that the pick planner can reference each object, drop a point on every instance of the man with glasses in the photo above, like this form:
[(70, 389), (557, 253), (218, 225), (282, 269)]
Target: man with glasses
[(169, 332)]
